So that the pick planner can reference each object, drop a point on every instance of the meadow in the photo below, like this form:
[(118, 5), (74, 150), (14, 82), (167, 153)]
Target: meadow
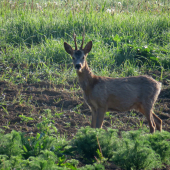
[(44, 121)]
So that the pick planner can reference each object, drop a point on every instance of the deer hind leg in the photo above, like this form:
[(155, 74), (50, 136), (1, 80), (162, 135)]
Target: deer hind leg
[(158, 122), (151, 121), (149, 115)]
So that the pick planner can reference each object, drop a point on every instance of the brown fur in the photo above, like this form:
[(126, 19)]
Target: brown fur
[(116, 94)]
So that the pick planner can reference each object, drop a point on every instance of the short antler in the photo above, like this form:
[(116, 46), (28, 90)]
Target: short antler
[(74, 36), (82, 39)]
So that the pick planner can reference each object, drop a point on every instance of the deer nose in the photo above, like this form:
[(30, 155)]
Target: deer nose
[(77, 66)]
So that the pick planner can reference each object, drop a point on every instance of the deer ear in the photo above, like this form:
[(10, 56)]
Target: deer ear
[(88, 47), (68, 48)]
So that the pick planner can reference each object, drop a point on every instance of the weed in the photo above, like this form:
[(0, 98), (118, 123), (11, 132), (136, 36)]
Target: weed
[(77, 109), (5, 110), (25, 119)]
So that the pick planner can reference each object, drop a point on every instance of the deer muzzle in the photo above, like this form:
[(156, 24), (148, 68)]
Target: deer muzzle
[(78, 66)]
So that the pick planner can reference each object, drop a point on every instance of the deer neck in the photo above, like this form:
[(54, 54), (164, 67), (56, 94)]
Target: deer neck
[(86, 78)]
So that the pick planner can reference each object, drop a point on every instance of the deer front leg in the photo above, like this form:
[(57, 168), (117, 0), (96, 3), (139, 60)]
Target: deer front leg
[(97, 118), (100, 117), (93, 110), (93, 122)]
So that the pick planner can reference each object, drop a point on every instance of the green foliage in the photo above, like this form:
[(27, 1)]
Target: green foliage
[(46, 125), (160, 143), (72, 163), (46, 160), (134, 150), (86, 143), (10, 144), (39, 152), (25, 119), (136, 153), (132, 34), (95, 166)]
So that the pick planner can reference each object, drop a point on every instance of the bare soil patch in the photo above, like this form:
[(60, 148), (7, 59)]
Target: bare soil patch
[(68, 108)]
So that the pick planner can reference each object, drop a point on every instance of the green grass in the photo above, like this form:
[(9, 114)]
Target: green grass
[(134, 35)]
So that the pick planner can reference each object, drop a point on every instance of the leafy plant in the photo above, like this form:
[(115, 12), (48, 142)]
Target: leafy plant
[(86, 143), (137, 152), (136, 155), (10, 144), (95, 166), (160, 143), (25, 119), (46, 125)]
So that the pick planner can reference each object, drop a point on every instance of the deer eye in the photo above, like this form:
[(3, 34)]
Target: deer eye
[(83, 57), (73, 58)]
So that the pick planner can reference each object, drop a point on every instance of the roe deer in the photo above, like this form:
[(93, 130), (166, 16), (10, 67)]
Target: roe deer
[(114, 94)]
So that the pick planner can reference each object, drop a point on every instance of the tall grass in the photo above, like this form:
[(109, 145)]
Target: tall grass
[(131, 32)]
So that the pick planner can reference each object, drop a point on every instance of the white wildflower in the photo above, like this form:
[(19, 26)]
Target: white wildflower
[(55, 3), (31, 133), (40, 8), (119, 3), (13, 6), (110, 10), (37, 5)]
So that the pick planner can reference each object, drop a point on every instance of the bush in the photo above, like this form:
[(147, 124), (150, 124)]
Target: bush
[(136, 151), (39, 152), (10, 144), (160, 143), (133, 150), (86, 143), (92, 167), (136, 155)]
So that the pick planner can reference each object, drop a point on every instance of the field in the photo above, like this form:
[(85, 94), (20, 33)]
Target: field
[(44, 121)]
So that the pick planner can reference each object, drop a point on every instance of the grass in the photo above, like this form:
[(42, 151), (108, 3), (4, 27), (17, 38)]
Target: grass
[(121, 41), (129, 38)]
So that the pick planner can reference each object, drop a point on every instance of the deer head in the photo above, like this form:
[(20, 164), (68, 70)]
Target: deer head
[(78, 56)]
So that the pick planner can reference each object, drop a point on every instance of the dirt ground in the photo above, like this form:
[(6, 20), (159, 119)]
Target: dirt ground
[(68, 109)]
